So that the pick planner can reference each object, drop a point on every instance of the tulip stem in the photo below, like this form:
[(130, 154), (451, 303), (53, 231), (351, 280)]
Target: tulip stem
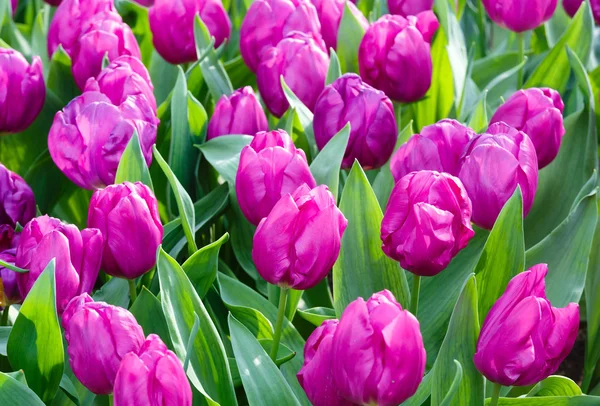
[(481, 23), (495, 394), (279, 323), (132, 290), (414, 295), (521, 41), (5, 315)]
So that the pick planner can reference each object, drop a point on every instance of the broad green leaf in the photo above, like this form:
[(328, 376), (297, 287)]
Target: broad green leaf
[(197, 118), (254, 321), (284, 354), (132, 166), (13, 392), (242, 233), (334, 70), (479, 119), (304, 115), (223, 153), (550, 401), (4, 334), (592, 302), (69, 389), (201, 267), (60, 79), (326, 166), (555, 386), (38, 37), (350, 34), (163, 75), (487, 69), (149, 314), (317, 315), (452, 392), (114, 292)]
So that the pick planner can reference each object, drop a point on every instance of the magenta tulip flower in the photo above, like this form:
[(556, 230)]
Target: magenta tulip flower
[(14, 4), (9, 240), (77, 253), (439, 147), (427, 222), (172, 25), (239, 113), (53, 2), (145, 3), (267, 22), (152, 376), (378, 353), (303, 63), (407, 8), (394, 55), (524, 339), (330, 14), (127, 216), (572, 6), (520, 16), (270, 167), (99, 336), (373, 130), (22, 91), (17, 203), (296, 245), (493, 165)]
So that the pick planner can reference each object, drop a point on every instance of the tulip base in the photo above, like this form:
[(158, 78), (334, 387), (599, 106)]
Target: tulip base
[(279, 323), (495, 394)]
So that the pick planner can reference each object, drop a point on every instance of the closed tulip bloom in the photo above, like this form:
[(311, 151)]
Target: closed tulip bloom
[(303, 63), (407, 8), (153, 376), (267, 22), (427, 222), (99, 336), (520, 16), (22, 91), (296, 245), (77, 253), (330, 14), (172, 25), (127, 216), (9, 239), (17, 202), (378, 353), (439, 147), (572, 6), (239, 113), (89, 135), (524, 339), (538, 113), (493, 165), (373, 129)]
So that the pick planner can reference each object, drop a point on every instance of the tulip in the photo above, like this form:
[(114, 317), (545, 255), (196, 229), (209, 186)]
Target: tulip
[(394, 55), (520, 16), (407, 8), (270, 167), (145, 3), (571, 6), (152, 376), (538, 113), (439, 147), (373, 130), (267, 22), (70, 18), (17, 203), (9, 240), (524, 339), (330, 14), (377, 351), (127, 216), (493, 165), (53, 2), (89, 135), (22, 91), (99, 336), (14, 4), (172, 25), (77, 253), (303, 63), (240, 113)]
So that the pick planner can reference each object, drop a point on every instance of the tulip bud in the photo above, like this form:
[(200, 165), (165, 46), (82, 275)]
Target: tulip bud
[(152, 376), (270, 167), (524, 339), (538, 113), (99, 336), (239, 113), (373, 130), (9, 240), (520, 16), (492, 166), (330, 14), (89, 135), (572, 6), (407, 8), (439, 147), (127, 216), (267, 22), (377, 351), (296, 245), (22, 91), (394, 55), (17, 202), (172, 25), (427, 222), (77, 253)]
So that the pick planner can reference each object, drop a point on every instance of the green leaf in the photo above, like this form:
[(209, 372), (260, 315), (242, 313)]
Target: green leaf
[(163, 75), (592, 302), (555, 386), (317, 315), (350, 35), (148, 312), (550, 401), (242, 233), (284, 354), (304, 115), (69, 389), (451, 395), (39, 34), (13, 268), (361, 258), (487, 69), (13, 392), (479, 119), (114, 292), (334, 70), (326, 166), (60, 78), (132, 166), (35, 342), (223, 153), (4, 334), (201, 268)]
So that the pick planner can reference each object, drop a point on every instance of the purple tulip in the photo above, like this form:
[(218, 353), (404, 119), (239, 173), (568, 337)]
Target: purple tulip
[(14, 4), (239, 113), (394, 55), (572, 6), (538, 113), (127, 216), (22, 91), (145, 3), (407, 8), (17, 202), (71, 18), (303, 63), (89, 135), (373, 130), (99, 336), (267, 22), (492, 166), (270, 167), (524, 339), (330, 14), (296, 245), (77, 253), (427, 222), (9, 240), (377, 351), (53, 2), (172, 25), (439, 147), (518, 15), (153, 376)]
